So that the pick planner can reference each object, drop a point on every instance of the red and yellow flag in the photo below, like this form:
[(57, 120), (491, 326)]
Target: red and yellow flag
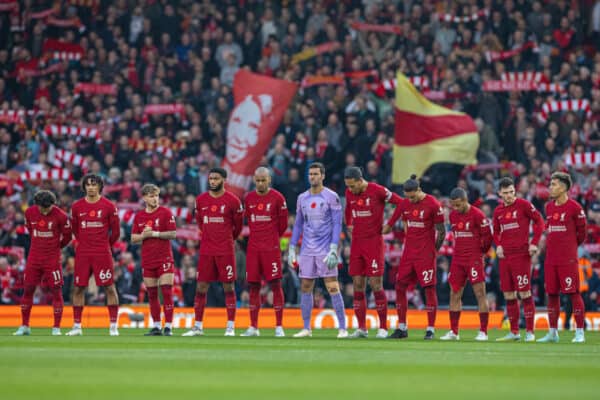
[(427, 133)]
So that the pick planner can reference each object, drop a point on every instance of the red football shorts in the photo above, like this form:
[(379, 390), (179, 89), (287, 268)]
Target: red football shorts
[(461, 272), (43, 275), (263, 265), (366, 257), (101, 265), (515, 273), (157, 270), (423, 271), (216, 268), (561, 278)]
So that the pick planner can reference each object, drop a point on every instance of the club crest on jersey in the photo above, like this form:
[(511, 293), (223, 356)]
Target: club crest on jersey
[(368, 202), (156, 222), (50, 225), (268, 207), (223, 209), (562, 217), (467, 225)]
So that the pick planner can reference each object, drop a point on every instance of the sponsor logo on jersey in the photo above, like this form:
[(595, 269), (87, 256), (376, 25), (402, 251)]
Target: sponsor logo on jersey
[(510, 226), (415, 224)]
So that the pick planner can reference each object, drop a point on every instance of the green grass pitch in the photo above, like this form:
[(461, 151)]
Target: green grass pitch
[(96, 366)]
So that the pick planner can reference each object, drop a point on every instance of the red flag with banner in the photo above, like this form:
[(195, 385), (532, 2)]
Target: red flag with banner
[(260, 103)]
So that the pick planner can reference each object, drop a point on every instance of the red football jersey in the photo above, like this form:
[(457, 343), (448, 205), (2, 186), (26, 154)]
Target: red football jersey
[(48, 234), (155, 251), (419, 221), (472, 235), (267, 219), (566, 225), (220, 221), (92, 223), (511, 226), (364, 212)]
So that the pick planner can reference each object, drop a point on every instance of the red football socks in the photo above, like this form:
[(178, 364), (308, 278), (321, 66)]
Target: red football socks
[(254, 303), (230, 304), (57, 305), (26, 304), (154, 303), (278, 301), (360, 309), (553, 310), (401, 303), (199, 304), (113, 313), (512, 309), (77, 313), (578, 310), (167, 293), (381, 304), (529, 312), (431, 305), (454, 318), (483, 321)]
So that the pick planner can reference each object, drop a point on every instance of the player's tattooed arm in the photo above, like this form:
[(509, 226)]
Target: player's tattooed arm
[(441, 235)]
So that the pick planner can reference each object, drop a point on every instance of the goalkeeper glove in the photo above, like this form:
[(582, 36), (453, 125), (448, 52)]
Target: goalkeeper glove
[(331, 259), (292, 257)]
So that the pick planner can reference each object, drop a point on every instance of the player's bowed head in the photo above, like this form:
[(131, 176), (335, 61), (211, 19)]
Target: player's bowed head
[(44, 199), (459, 200)]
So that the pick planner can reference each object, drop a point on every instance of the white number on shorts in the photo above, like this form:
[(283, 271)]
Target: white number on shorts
[(569, 282), (274, 268), (523, 280), (105, 274), (56, 276), (229, 270), (474, 273), (427, 275), (166, 266), (374, 265)]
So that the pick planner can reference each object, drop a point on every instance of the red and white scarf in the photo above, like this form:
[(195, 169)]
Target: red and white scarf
[(79, 132), (464, 19), (493, 56), (42, 14), (96, 88), (361, 26), (579, 160), (416, 81), (63, 156), (7, 6), (62, 50), (51, 174), (66, 23), (564, 105)]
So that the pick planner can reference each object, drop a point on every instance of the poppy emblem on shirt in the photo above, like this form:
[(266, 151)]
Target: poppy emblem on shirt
[(313, 205), (460, 225), (92, 213), (360, 202), (149, 224), (507, 216), (213, 208), (555, 216), (415, 213), (42, 223), (261, 206)]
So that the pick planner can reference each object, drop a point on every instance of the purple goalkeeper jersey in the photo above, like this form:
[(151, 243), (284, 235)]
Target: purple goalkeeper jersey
[(319, 220)]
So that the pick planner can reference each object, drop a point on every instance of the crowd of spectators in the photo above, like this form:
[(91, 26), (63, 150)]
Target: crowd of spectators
[(187, 52)]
